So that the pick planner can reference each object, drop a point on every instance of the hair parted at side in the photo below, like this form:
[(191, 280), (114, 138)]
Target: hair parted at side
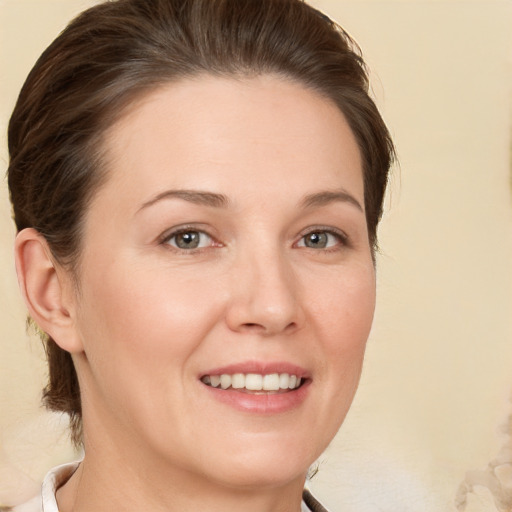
[(115, 52)]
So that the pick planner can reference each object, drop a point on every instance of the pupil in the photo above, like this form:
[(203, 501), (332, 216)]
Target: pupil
[(317, 240), (188, 240)]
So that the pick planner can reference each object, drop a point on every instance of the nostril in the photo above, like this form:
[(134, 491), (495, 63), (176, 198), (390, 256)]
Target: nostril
[(268, 330), (250, 326)]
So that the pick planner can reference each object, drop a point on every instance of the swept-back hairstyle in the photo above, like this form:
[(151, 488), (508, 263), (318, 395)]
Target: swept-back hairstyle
[(117, 51)]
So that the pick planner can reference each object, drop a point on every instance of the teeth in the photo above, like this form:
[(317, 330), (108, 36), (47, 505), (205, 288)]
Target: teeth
[(271, 382), (253, 381), (238, 381), (225, 381)]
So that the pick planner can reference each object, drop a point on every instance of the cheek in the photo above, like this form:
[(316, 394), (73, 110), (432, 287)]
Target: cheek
[(134, 301), (147, 323), (345, 311), (343, 318), (141, 335), (340, 318)]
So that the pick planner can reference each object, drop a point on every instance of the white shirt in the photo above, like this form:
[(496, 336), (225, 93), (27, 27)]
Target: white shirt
[(55, 479)]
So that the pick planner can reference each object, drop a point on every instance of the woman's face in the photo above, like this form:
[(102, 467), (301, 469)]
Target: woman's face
[(228, 243)]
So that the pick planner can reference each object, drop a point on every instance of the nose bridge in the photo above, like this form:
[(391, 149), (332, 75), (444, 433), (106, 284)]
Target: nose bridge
[(266, 297)]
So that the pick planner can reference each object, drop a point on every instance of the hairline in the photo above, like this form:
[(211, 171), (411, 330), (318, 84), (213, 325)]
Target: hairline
[(132, 99)]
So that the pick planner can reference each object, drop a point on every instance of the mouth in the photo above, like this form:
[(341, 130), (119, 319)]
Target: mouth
[(255, 383), (258, 387)]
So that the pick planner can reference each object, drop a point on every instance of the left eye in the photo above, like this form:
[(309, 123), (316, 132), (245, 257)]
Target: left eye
[(190, 239), (320, 240)]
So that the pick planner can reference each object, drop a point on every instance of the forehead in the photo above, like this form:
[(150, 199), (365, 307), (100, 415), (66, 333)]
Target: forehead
[(217, 133)]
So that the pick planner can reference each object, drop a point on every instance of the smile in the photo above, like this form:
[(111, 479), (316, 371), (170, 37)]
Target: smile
[(250, 382)]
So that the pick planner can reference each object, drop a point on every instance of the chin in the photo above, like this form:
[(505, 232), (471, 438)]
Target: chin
[(266, 466), (261, 476)]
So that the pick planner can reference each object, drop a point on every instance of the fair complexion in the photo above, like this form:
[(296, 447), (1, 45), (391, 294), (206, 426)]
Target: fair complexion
[(229, 239)]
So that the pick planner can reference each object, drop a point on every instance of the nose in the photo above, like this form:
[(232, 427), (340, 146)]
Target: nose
[(265, 298)]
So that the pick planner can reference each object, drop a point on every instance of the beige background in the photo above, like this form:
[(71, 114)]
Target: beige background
[(438, 378)]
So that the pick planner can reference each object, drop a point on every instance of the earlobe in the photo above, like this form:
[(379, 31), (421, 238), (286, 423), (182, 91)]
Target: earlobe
[(46, 289)]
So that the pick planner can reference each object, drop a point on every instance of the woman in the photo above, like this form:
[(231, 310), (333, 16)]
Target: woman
[(196, 186)]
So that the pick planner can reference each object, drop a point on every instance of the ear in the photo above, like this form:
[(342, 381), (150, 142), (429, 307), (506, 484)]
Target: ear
[(47, 289)]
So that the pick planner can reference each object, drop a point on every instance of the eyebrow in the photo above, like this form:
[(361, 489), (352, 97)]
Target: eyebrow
[(215, 200), (192, 196), (330, 196)]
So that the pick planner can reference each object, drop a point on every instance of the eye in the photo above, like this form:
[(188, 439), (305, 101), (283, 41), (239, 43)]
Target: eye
[(321, 239), (189, 239)]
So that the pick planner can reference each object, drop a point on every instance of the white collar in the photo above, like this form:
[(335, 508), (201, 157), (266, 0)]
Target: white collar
[(52, 481)]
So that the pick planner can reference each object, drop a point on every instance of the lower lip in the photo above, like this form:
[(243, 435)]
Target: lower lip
[(264, 403)]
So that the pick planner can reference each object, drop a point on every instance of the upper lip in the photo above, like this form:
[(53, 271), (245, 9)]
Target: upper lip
[(258, 367)]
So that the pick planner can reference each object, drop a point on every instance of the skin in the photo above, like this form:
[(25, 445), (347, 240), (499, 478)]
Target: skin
[(149, 318)]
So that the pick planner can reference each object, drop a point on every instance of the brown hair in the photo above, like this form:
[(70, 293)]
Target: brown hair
[(118, 50)]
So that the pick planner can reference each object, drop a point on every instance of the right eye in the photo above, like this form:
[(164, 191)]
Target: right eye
[(188, 239), (323, 239)]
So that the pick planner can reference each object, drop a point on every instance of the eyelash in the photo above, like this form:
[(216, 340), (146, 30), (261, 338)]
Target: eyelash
[(167, 237), (340, 236)]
